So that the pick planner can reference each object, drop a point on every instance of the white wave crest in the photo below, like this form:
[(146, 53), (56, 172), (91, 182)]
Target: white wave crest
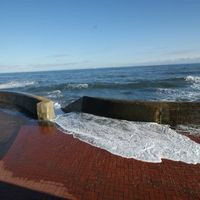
[(168, 94), (139, 140), (55, 92), (77, 86), (16, 84), (194, 79), (57, 105)]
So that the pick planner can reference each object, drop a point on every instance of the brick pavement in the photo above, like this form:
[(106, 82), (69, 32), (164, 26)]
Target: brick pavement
[(44, 160)]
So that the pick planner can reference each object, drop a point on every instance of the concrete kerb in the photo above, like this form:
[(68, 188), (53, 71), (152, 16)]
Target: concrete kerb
[(172, 113), (37, 106)]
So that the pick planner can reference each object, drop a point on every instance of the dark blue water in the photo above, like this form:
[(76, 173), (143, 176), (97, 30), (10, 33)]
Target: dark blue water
[(169, 82)]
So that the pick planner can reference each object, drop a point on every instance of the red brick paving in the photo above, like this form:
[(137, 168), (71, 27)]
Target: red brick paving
[(46, 160)]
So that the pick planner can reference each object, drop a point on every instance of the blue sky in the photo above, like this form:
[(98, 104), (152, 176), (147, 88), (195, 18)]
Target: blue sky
[(67, 34)]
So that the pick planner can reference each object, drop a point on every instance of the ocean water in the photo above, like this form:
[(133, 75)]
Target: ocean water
[(149, 142), (164, 83)]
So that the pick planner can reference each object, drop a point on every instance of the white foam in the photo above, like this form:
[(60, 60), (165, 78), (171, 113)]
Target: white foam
[(16, 84), (169, 94), (190, 93), (54, 94), (191, 129), (77, 86), (142, 141), (195, 79), (57, 105)]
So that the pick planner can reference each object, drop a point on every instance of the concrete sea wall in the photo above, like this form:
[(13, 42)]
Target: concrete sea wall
[(172, 113), (38, 107)]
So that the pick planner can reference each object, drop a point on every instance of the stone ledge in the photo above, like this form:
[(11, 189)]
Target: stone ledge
[(172, 113), (38, 107)]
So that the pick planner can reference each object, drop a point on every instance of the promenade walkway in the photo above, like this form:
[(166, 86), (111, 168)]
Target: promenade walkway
[(41, 162)]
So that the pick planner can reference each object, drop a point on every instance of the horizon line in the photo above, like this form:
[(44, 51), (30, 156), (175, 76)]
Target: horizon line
[(105, 67)]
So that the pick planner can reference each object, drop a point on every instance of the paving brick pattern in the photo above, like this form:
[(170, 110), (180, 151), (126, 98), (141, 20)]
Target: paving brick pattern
[(45, 160)]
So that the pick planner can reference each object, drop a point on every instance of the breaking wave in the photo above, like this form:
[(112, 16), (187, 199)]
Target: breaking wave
[(57, 105), (56, 89), (191, 92), (16, 84), (139, 140), (168, 94), (77, 85), (194, 79), (54, 94), (138, 84)]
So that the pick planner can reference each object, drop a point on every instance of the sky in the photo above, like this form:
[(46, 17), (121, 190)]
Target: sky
[(39, 35)]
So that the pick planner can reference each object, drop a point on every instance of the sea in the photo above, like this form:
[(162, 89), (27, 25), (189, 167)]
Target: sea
[(149, 142), (155, 83)]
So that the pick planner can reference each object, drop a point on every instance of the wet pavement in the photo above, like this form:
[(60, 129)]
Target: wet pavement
[(38, 161), (10, 123)]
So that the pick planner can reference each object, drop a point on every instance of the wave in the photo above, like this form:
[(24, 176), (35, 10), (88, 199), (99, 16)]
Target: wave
[(138, 84), (16, 84), (77, 85), (54, 92), (194, 79), (57, 89), (187, 94), (57, 105), (144, 141), (134, 85)]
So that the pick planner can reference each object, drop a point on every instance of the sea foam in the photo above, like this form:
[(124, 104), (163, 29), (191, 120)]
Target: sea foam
[(54, 94), (57, 105), (148, 142), (77, 85), (195, 79), (16, 84), (189, 93)]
